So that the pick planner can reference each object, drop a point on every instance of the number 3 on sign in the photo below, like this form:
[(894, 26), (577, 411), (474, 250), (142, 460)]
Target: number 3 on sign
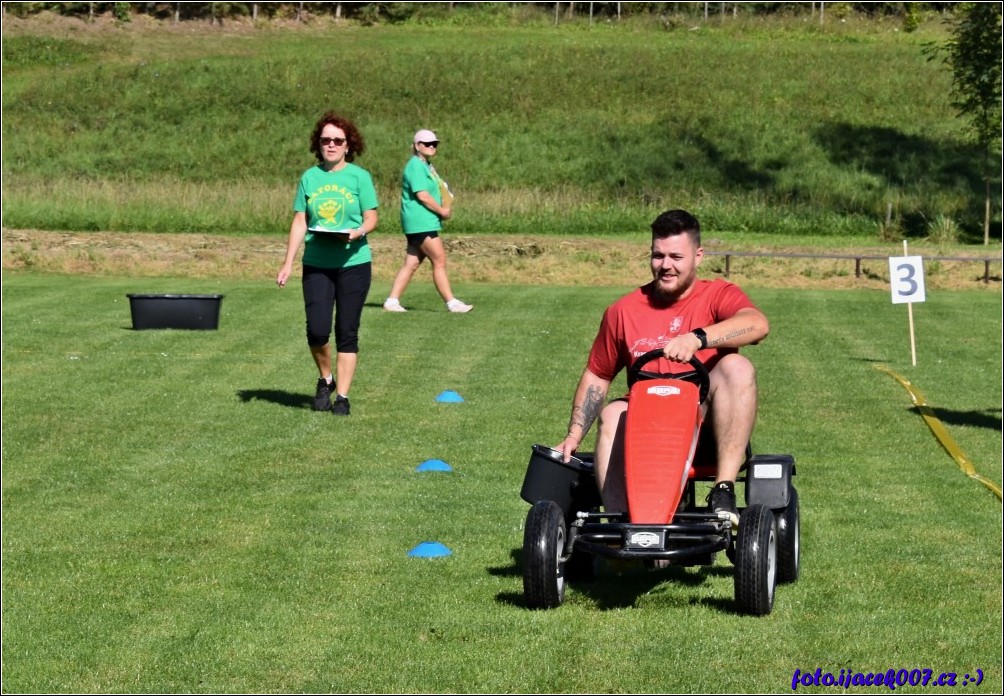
[(906, 273)]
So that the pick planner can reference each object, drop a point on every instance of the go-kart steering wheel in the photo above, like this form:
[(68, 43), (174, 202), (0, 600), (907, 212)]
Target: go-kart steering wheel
[(698, 376)]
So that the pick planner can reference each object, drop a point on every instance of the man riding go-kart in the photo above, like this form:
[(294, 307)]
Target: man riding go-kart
[(685, 317), (669, 334)]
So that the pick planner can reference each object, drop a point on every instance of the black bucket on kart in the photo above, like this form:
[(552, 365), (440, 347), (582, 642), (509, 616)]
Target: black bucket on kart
[(550, 478)]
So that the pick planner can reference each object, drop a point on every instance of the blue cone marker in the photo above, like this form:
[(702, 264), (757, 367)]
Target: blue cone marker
[(429, 549), (434, 465)]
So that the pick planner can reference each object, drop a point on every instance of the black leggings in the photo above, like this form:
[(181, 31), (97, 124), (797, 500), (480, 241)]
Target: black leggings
[(339, 290)]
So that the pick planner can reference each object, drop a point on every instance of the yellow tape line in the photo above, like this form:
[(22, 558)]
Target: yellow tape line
[(941, 433)]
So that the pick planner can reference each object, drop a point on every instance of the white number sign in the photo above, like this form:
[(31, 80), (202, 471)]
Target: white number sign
[(906, 273)]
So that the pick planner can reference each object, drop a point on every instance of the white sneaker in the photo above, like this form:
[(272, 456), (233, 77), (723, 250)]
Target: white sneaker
[(393, 306), (456, 305)]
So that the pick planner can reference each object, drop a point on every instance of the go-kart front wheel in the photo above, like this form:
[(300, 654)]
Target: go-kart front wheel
[(788, 541), (756, 561), (543, 547)]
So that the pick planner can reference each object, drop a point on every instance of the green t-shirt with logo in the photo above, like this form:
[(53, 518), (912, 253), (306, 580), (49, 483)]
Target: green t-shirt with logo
[(335, 200), (415, 217)]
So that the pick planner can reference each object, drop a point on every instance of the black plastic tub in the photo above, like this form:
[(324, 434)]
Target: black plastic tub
[(550, 478), (175, 311)]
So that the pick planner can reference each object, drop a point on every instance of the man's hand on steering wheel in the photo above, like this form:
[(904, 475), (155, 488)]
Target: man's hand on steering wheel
[(698, 376), (682, 348)]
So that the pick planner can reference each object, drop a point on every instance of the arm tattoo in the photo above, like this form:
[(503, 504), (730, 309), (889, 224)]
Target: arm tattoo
[(584, 415), (730, 335)]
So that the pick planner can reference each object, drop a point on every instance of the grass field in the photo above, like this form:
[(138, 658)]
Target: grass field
[(175, 518)]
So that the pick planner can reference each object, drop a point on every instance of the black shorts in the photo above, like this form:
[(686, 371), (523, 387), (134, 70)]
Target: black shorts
[(416, 239), (341, 291)]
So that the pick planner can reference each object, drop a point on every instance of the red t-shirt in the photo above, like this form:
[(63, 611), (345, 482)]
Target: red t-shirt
[(635, 324)]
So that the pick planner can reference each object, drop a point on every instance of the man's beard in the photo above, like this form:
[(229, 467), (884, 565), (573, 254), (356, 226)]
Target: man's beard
[(665, 295)]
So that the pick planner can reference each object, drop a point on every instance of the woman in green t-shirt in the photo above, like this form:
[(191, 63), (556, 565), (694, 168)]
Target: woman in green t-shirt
[(334, 209), (425, 203)]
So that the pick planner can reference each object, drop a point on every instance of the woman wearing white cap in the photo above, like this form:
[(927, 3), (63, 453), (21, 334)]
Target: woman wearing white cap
[(422, 212)]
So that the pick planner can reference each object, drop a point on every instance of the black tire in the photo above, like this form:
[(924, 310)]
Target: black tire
[(543, 547), (756, 561), (788, 541)]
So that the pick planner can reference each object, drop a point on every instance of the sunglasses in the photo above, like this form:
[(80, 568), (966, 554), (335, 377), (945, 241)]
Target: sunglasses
[(337, 142), (433, 143)]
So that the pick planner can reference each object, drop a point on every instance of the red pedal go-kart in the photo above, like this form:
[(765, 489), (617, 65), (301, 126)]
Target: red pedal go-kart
[(666, 454)]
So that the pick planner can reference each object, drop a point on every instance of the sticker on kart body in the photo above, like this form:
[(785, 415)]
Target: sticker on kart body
[(767, 471), (663, 391), (644, 540)]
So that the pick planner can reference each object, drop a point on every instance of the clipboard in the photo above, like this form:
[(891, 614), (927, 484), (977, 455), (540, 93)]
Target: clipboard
[(339, 235), (445, 194)]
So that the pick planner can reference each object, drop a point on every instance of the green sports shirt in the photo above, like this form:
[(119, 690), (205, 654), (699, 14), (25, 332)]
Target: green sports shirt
[(335, 200), (415, 217)]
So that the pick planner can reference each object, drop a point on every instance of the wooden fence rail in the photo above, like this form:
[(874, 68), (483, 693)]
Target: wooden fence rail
[(857, 258)]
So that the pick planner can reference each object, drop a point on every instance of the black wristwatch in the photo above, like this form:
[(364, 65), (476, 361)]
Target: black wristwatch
[(702, 337)]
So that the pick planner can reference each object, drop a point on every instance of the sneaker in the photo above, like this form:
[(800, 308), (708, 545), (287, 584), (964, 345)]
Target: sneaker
[(341, 406), (322, 397), (459, 307), (393, 306), (722, 499)]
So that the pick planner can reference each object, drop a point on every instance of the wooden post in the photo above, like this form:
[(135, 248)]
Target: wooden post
[(909, 312), (986, 215)]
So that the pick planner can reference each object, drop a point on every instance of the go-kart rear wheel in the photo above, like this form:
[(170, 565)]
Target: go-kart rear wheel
[(543, 547), (788, 557), (756, 561)]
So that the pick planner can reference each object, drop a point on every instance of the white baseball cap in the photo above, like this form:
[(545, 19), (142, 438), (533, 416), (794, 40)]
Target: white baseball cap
[(425, 136)]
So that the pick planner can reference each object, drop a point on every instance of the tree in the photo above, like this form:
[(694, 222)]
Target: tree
[(974, 54)]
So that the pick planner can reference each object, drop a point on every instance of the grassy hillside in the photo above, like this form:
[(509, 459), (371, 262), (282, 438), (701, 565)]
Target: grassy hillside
[(758, 127)]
